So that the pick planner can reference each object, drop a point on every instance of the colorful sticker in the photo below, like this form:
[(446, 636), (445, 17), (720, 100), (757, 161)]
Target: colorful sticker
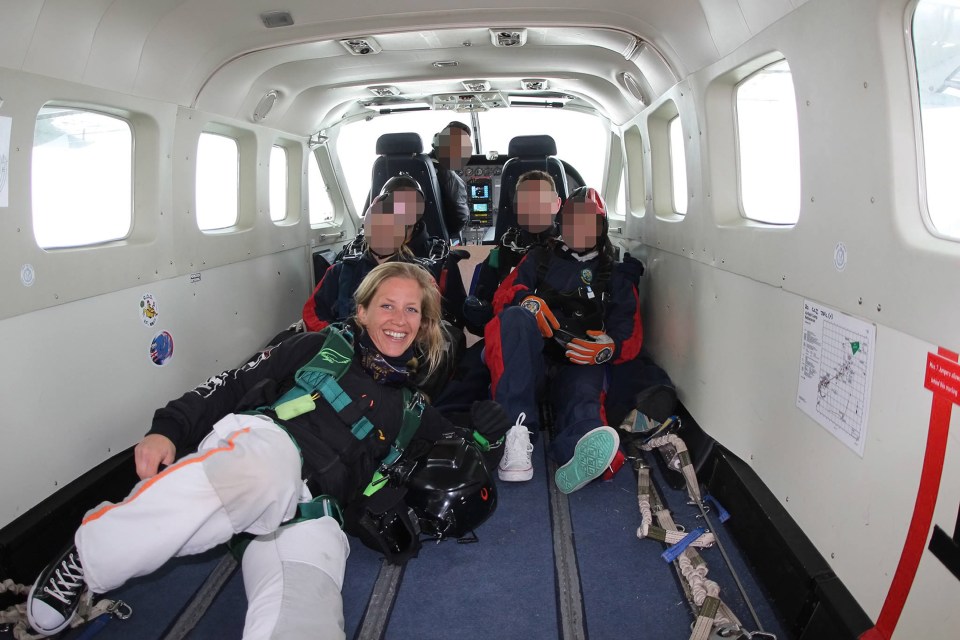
[(586, 275), (148, 310), (161, 348)]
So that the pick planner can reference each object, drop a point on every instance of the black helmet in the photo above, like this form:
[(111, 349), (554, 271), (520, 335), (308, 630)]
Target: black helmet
[(401, 181), (451, 490)]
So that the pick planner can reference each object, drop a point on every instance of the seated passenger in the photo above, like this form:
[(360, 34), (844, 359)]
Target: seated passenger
[(257, 451), (537, 203), (388, 226), (564, 312), (452, 149)]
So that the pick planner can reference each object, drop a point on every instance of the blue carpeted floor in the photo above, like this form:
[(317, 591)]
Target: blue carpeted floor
[(503, 586)]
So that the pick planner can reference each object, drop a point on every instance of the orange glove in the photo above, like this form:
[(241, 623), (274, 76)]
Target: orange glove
[(596, 349), (545, 318)]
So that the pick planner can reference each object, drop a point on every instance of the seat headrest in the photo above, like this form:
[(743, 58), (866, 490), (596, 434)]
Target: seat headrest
[(395, 143), (532, 146)]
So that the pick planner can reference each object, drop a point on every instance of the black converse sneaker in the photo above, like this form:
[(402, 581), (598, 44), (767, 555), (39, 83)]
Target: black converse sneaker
[(55, 595)]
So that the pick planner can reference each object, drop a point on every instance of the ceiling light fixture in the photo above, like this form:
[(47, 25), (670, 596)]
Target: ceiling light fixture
[(265, 105), (384, 90), (534, 84), (476, 85), (508, 37), (362, 46), (273, 19)]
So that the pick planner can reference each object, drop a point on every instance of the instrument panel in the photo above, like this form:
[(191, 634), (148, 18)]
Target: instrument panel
[(483, 193)]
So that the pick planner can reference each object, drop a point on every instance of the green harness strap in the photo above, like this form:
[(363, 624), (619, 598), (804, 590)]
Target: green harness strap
[(320, 376), (412, 412)]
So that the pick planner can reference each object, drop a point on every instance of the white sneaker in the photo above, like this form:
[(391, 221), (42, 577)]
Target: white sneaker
[(516, 464)]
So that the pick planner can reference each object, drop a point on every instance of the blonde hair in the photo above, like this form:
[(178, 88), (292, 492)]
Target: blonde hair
[(430, 338)]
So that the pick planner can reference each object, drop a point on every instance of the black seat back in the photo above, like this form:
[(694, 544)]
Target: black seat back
[(526, 154), (403, 153)]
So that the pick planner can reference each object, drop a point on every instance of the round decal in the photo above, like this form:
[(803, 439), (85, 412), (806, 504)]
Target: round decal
[(161, 348), (27, 275), (586, 275), (840, 256), (148, 310)]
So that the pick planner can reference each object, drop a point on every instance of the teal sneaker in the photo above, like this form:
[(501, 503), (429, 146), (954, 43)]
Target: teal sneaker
[(593, 454)]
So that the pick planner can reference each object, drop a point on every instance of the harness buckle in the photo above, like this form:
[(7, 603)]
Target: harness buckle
[(120, 610)]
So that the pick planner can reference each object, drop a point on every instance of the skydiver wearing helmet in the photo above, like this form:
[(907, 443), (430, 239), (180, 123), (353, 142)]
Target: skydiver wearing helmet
[(270, 450), (565, 311)]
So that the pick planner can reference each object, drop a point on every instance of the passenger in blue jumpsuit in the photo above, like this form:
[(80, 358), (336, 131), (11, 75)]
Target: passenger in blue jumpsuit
[(536, 204), (563, 313), (388, 224)]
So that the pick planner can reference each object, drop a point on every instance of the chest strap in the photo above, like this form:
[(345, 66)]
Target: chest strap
[(320, 378)]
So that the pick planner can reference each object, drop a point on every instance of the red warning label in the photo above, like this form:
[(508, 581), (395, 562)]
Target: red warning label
[(943, 377)]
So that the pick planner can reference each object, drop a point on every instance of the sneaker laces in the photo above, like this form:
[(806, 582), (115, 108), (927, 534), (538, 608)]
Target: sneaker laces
[(66, 579), (518, 441)]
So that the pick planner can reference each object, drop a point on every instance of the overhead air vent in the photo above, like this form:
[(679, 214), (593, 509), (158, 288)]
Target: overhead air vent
[(476, 85), (265, 105), (272, 19), (384, 90), (364, 46), (632, 85), (534, 84), (508, 37)]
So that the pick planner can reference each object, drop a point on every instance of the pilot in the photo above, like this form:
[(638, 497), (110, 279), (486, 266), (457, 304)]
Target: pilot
[(564, 312), (274, 452), (452, 149)]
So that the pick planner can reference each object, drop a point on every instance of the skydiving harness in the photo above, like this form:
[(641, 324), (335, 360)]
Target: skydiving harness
[(577, 309), (320, 377), (713, 617), (98, 614)]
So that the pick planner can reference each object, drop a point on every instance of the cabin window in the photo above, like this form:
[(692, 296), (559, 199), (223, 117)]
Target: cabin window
[(82, 178), (936, 45), (278, 183), (633, 145), (678, 167), (321, 206), (620, 208), (218, 182), (357, 144), (581, 138), (614, 188), (768, 145)]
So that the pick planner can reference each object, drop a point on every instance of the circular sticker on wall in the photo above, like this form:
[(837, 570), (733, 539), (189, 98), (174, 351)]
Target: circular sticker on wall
[(27, 275), (840, 256), (148, 310), (161, 348)]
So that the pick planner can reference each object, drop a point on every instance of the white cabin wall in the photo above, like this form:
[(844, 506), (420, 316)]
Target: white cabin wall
[(78, 385), (723, 299)]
